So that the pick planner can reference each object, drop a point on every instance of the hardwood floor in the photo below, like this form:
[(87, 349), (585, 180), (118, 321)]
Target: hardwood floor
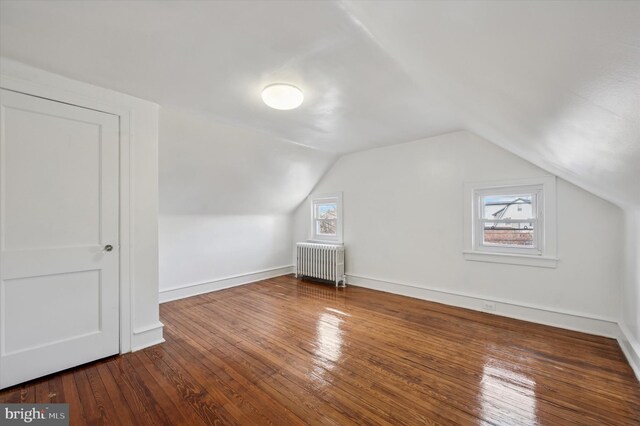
[(286, 352)]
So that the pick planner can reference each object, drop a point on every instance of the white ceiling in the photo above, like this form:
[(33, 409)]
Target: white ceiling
[(557, 83), (215, 57)]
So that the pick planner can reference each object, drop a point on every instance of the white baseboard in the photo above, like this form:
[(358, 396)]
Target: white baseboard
[(570, 320), (147, 336), (222, 283), (631, 349)]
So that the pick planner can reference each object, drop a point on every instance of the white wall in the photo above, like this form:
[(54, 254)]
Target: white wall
[(147, 329), (226, 198), (203, 248), (403, 223), (630, 315)]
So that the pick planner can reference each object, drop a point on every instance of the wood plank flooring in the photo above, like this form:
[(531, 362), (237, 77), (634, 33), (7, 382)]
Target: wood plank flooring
[(287, 352)]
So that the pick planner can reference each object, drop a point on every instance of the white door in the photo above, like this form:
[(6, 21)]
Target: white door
[(59, 263)]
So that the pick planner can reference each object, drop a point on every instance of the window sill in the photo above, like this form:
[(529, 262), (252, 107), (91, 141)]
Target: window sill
[(511, 259)]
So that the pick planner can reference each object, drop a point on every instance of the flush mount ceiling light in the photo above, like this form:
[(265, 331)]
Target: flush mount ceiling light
[(282, 96)]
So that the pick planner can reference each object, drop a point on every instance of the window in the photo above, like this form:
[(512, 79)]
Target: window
[(326, 218), (511, 222)]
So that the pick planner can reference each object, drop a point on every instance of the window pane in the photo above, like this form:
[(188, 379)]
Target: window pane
[(508, 234), (508, 206), (326, 226), (327, 211)]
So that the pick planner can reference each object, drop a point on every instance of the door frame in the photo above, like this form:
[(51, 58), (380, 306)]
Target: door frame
[(49, 86)]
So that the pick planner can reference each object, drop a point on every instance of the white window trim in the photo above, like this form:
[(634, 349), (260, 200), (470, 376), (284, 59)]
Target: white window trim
[(326, 198), (545, 254)]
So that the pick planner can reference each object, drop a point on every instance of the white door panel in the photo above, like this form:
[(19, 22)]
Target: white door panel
[(58, 211), (48, 296)]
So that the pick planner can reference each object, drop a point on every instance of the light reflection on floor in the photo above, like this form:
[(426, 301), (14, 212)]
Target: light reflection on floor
[(336, 311), (328, 343), (503, 390)]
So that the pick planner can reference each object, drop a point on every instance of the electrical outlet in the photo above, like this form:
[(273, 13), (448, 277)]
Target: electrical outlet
[(488, 306)]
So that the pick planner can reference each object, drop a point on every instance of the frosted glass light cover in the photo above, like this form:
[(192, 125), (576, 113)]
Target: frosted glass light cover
[(282, 96)]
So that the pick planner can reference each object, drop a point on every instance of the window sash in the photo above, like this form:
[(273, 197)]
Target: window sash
[(331, 204), (317, 205), (318, 228), (324, 218), (533, 195), (482, 245), (507, 245), (480, 221), (510, 248)]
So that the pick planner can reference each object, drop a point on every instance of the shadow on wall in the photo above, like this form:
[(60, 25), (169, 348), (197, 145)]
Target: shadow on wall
[(226, 197), (213, 168)]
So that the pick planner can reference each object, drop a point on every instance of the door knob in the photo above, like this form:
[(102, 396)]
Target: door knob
[(108, 247)]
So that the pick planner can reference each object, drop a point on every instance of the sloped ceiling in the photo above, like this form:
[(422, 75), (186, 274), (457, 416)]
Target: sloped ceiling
[(208, 168), (215, 57), (557, 83)]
